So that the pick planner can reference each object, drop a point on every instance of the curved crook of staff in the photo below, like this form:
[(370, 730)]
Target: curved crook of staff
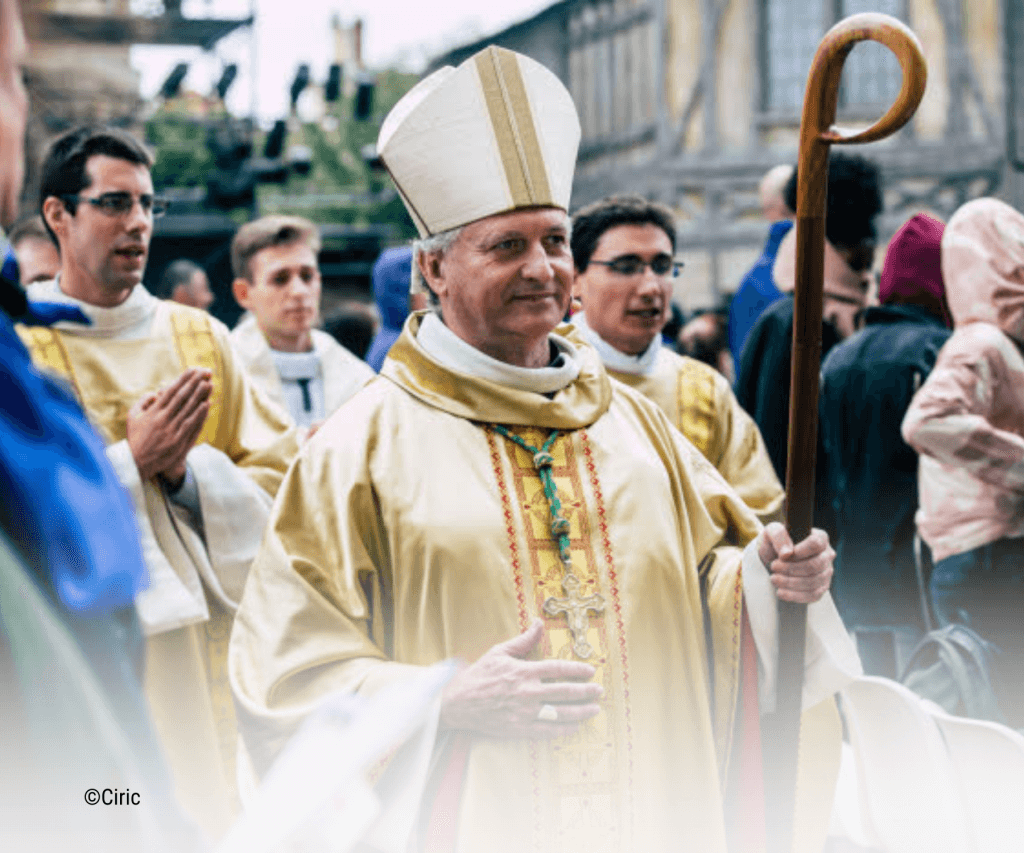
[(817, 134)]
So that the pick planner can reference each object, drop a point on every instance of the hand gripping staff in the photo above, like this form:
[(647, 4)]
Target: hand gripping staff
[(817, 133)]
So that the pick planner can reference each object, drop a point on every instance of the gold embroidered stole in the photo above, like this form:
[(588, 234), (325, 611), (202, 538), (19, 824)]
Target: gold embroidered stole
[(214, 639), (193, 339), (581, 782), (723, 594), (195, 346), (695, 406)]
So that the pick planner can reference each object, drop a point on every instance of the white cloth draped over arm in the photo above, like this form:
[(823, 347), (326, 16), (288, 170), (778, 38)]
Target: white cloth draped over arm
[(234, 511), (831, 660)]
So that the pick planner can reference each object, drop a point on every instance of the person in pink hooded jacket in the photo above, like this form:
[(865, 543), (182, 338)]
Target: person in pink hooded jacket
[(967, 422)]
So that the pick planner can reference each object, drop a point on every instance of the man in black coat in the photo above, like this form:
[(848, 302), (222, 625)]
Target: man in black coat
[(871, 473), (763, 377)]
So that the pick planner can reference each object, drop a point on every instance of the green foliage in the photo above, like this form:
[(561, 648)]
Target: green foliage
[(182, 158), (339, 170), (340, 187)]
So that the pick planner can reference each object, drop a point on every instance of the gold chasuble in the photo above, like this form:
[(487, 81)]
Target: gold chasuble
[(197, 565), (410, 530), (701, 405)]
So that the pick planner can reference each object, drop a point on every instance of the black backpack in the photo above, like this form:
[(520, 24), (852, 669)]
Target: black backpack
[(950, 666)]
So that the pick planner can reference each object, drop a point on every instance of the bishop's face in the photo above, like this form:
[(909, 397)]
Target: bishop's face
[(505, 283)]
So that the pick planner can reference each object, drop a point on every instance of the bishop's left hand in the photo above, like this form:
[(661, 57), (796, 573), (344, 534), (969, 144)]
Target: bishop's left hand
[(800, 573)]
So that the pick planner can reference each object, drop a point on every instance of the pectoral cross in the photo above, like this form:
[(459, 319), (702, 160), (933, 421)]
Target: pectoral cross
[(573, 605), (575, 609)]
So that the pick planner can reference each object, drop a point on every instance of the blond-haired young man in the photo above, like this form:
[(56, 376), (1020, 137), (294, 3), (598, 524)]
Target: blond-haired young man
[(278, 281)]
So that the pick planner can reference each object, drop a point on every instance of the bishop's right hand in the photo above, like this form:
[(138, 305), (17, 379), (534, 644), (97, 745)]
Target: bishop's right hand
[(502, 693), (163, 426)]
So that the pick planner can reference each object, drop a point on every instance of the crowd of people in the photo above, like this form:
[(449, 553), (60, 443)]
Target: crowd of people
[(206, 534)]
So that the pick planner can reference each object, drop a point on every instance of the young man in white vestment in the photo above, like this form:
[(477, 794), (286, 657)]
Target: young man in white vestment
[(199, 449), (277, 279), (495, 497), (623, 251)]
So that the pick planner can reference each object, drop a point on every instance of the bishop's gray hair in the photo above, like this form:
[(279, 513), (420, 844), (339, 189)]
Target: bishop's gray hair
[(434, 244)]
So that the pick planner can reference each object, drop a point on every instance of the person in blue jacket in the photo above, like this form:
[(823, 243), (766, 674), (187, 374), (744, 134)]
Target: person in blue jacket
[(73, 718), (391, 274), (758, 290)]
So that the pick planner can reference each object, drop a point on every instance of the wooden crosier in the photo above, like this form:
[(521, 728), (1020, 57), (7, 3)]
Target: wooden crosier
[(817, 134)]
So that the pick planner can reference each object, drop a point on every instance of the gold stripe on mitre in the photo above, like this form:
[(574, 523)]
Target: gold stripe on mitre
[(514, 131)]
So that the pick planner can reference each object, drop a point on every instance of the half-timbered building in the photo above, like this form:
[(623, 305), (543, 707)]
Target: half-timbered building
[(690, 101)]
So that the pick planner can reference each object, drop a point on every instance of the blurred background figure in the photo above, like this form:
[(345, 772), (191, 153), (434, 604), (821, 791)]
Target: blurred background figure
[(705, 337), (757, 290), (867, 383), (391, 278), (38, 258), (967, 422), (186, 283), (673, 326), (763, 374), (354, 325), (277, 278)]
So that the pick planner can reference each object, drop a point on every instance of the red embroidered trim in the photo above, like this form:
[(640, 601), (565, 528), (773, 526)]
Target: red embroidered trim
[(506, 509), (613, 584), (442, 828), (517, 580)]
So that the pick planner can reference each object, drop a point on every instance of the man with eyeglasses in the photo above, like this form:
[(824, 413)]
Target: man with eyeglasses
[(72, 709), (200, 450), (623, 253)]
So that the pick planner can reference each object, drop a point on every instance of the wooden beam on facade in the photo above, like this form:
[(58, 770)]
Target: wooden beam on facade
[(705, 80), (606, 28)]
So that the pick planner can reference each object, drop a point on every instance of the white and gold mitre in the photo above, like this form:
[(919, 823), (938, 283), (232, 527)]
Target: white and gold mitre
[(497, 133)]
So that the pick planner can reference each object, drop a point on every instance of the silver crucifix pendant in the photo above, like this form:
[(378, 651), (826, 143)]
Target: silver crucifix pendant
[(575, 609)]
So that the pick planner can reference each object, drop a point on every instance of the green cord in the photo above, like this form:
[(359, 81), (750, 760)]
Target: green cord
[(574, 606), (542, 461)]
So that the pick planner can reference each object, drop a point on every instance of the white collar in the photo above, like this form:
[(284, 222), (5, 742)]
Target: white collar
[(296, 365), (131, 315), (450, 351), (638, 365)]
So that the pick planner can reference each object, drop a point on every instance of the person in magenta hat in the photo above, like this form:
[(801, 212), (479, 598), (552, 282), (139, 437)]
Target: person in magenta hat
[(867, 384)]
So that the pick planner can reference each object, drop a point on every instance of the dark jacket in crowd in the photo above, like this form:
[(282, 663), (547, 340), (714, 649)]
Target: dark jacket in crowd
[(763, 376), (867, 384)]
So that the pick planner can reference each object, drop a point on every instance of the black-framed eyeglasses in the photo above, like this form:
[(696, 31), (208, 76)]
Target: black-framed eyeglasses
[(118, 204), (626, 265)]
